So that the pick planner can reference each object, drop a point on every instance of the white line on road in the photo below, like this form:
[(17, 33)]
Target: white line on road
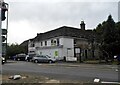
[(110, 82)]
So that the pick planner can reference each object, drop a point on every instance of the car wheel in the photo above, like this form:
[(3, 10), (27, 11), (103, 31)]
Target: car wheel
[(36, 61), (50, 61)]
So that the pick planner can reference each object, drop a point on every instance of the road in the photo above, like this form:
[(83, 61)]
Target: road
[(81, 72)]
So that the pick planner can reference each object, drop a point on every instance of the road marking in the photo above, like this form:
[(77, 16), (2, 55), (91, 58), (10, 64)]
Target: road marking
[(110, 82), (39, 64), (53, 81)]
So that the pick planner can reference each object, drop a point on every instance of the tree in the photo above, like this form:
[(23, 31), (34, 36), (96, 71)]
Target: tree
[(109, 37), (117, 43), (106, 37), (14, 49)]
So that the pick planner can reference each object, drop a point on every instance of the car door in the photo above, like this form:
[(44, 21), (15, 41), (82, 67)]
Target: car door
[(39, 58), (44, 58)]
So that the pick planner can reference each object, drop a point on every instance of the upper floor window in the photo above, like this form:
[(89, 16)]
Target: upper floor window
[(52, 42), (32, 45), (55, 42), (75, 42), (58, 42), (41, 43), (45, 43)]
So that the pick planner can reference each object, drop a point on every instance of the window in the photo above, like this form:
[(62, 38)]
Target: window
[(41, 44), (58, 42), (75, 42), (52, 42), (45, 43), (32, 45)]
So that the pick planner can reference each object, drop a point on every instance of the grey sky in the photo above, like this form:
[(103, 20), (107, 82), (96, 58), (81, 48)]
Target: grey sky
[(27, 18)]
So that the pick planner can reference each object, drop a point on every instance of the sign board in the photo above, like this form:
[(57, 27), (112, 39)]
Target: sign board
[(56, 53), (77, 50)]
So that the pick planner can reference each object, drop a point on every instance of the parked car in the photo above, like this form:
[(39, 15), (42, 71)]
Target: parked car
[(43, 58), (20, 57), (3, 60)]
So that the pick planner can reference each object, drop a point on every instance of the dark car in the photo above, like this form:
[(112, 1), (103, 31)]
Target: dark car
[(20, 57), (43, 58)]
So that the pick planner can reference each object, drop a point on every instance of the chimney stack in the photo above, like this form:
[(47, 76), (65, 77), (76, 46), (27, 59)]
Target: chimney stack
[(82, 25)]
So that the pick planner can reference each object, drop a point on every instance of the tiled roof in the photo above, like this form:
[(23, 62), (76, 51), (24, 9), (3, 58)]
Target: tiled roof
[(65, 31)]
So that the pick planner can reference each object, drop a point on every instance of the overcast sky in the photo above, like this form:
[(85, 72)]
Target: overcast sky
[(29, 17)]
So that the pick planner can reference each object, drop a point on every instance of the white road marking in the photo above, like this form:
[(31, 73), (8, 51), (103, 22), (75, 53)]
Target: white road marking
[(110, 82)]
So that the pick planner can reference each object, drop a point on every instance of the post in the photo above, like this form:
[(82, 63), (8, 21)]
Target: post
[(0, 44), (0, 33), (7, 29), (3, 42)]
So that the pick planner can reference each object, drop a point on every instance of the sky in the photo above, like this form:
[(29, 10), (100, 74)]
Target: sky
[(29, 17)]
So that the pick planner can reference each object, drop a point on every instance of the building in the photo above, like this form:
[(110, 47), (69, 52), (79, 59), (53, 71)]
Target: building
[(65, 43)]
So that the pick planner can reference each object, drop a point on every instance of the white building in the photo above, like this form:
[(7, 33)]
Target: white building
[(64, 42), (57, 47)]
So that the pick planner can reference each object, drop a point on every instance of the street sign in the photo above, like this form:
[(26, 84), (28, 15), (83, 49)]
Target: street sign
[(77, 50)]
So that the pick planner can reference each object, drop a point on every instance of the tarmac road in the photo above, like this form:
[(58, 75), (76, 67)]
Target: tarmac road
[(63, 71)]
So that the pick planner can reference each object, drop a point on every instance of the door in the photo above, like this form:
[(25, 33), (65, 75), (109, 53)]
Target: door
[(44, 59)]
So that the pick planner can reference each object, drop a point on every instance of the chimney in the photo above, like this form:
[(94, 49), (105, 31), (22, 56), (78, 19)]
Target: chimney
[(82, 25)]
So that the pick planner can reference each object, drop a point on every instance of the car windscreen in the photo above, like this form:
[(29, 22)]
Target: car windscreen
[(48, 56), (37, 56)]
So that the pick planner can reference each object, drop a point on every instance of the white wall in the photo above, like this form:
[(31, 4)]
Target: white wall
[(37, 44), (67, 49), (51, 52)]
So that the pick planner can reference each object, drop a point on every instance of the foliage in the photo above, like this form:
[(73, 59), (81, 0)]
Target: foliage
[(108, 37), (14, 49)]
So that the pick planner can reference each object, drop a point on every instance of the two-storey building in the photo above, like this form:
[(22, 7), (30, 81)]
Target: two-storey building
[(64, 43)]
